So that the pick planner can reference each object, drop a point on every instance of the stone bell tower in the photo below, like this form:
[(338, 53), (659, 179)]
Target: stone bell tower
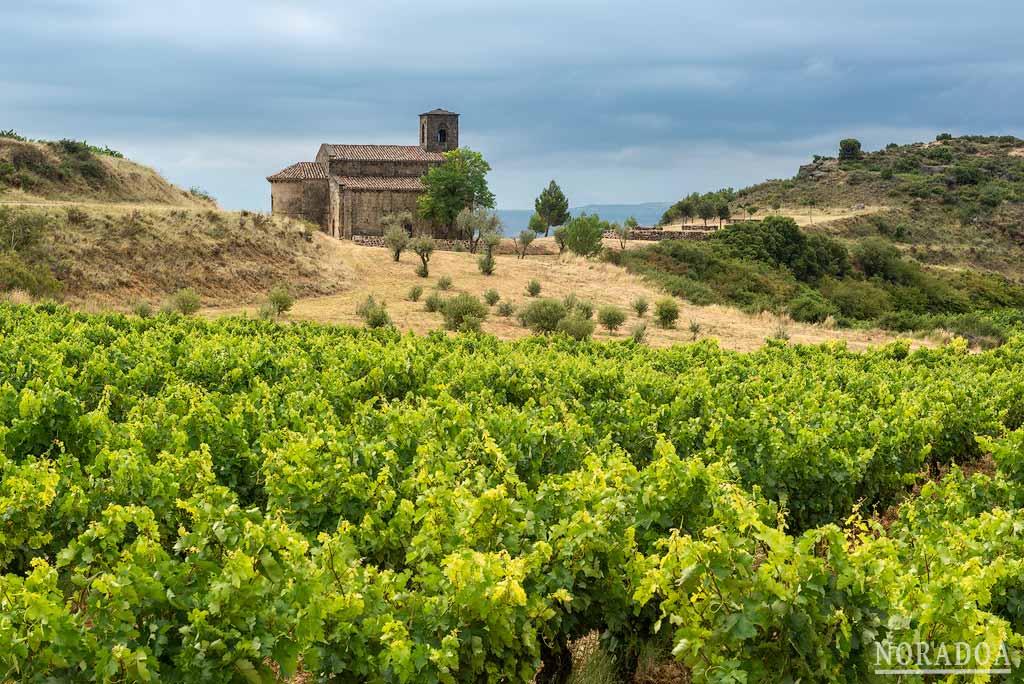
[(439, 130)]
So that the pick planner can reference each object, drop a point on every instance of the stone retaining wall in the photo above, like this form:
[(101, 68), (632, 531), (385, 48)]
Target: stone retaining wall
[(656, 235)]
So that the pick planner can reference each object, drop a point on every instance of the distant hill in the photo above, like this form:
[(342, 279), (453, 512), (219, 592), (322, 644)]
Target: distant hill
[(647, 214)]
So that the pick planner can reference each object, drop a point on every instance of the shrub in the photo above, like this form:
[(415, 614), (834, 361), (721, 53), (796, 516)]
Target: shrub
[(640, 306), (433, 302), (639, 334), (611, 317), (666, 312), (444, 283), (533, 288), (542, 316), (142, 309), (877, 257), (943, 136), (849, 149), (185, 301), (858, 299), (374, 315), (280, 300), (576, 327), (694, 330), (506, 309), (422, 270), (491, 297), (583, 308), (77, 216), (470, 324), (582, 235), (397, 240), (200, 194), (20, 230), (414, 293), (457, 309), (485, 262), (17, 274), (810, 307)]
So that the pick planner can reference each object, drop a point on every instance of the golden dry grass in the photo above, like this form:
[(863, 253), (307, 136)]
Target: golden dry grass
[(371, 271)]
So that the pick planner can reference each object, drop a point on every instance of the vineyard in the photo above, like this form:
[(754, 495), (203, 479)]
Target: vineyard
[(242, 501)]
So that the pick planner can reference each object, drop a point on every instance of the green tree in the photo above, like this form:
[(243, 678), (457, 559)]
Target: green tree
[(458, 183), (397, 240), (523, 242), (723, 213), (849, 149), (476, 224), (583, 234), (706, 210), (552, 206)]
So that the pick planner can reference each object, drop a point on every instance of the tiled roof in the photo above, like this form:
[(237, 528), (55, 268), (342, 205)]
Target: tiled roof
[(393, 183), (438, 111), (382, 153), (300, 171)]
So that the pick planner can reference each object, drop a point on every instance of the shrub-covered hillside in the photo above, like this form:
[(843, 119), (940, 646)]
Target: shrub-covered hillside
[(774, 265), (956, 202)]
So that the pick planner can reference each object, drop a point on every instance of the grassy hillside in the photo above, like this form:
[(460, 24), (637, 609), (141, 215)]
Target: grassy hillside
[(70, 170), (82, 223)]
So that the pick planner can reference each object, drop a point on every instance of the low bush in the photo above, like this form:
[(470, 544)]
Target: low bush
[(811, 307), (576, 327), (611, 317), (543, 315), (433, 302), (485, 262), (18, 274), (185, 301), (666, 312), (461, 307), (491, 297), (374, 315), (640, 306), (444, 283), (280, 300), (533, 288), (506, 309), (414, 293)]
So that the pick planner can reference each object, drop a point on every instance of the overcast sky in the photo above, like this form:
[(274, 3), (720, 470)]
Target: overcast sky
[(621, 102)]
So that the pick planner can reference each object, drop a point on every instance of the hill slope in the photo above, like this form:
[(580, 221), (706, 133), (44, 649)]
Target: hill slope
[(85, 224), (70, 170), (955, 202)]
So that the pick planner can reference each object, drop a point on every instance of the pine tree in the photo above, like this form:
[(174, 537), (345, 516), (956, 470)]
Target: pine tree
[(552, 206)]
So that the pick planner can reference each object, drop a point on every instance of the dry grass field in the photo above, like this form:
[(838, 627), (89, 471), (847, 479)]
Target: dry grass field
[(371, 271)]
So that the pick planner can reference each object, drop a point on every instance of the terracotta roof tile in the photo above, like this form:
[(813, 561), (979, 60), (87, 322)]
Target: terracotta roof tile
[(383, 153), (300, 171), (392, 183)]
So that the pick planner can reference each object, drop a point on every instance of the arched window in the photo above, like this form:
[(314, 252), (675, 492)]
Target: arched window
[(442, 135)]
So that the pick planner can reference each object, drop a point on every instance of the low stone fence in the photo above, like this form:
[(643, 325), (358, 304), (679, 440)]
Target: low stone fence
[(440, 244), (656, 235)]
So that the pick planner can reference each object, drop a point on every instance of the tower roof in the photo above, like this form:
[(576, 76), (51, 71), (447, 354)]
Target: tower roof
[(439, 111)]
